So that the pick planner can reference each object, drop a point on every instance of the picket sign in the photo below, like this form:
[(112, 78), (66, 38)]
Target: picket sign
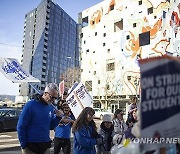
[(78, 99), (13, 71), (160, 105)]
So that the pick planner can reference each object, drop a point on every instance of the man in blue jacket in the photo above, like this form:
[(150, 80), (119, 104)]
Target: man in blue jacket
[(36, 121)]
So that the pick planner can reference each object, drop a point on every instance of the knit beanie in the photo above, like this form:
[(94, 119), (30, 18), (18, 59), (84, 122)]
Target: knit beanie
[(107, 118)]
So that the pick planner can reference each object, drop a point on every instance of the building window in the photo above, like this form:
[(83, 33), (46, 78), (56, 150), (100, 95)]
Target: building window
[(85, 22), (110, 67), (104, 44), (99, 81), (104, 34), (95, 33), (111, 7), (93, 51), (94, 72), (107, 87), (134, 24), (150, 10), (144, 38), (118, 26), (87, 50), (88, 85), (140, 2), (84, 42), (108, 50), (81, 35), (127, 37)]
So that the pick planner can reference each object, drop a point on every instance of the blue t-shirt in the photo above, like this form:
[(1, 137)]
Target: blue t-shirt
[(64, 130)]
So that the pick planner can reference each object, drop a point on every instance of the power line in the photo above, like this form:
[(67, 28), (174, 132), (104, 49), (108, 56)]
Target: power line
[(14, 45), (10, 45)]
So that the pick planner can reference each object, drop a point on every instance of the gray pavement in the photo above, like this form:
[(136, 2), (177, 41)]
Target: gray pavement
[(9, 143)]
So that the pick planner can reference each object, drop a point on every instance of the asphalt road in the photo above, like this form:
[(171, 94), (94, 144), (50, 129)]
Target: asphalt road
[(9, 143)]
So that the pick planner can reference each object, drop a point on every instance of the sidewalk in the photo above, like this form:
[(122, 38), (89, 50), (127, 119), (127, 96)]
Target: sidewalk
[(17, 149)]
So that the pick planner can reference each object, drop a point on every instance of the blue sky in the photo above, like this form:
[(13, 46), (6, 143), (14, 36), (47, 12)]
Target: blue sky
[(11, 29)]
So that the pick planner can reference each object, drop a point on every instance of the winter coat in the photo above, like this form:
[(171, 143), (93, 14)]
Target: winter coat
[(106, 134), (128, 134), (119, 126), (84, 143)]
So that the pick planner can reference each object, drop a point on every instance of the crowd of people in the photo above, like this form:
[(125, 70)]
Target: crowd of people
[(39, 117)]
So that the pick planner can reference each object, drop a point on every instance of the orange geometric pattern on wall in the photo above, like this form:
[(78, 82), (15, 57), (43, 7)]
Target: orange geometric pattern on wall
[(112, 3), (96, 18), (133, 43)]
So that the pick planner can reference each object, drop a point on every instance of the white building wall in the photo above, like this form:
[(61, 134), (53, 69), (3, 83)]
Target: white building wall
[(125, 52)]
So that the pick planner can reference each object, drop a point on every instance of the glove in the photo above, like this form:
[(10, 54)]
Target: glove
[(99, 141)]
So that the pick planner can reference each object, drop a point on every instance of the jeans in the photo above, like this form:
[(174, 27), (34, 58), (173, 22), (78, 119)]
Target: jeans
[(27, 151), (63, 143)]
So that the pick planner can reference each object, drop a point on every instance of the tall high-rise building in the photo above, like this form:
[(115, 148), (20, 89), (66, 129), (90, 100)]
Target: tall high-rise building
[(50, 45)]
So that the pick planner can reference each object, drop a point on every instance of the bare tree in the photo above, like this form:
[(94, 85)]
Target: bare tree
[(70, 76)]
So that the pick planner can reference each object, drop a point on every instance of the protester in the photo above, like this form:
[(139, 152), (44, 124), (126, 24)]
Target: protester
[(63, 131), (132, 118), (118, 122), (133, 106), (36, 121), (122, 142), (62, 99), (107, 132), (85, 133)]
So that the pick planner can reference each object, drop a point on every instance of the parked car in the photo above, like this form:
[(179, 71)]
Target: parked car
[(9, 118), (100, 112)]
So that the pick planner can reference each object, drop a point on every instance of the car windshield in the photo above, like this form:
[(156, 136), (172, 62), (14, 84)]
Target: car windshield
[(3, 112)]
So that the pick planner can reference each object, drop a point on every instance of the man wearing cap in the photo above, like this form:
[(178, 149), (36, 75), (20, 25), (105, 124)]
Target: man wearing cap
[(36, 121)]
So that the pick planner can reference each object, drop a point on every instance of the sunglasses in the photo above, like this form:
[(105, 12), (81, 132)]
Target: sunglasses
[(52, 97)]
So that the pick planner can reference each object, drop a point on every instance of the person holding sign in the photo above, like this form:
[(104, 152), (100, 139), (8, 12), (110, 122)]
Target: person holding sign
[(133, 105), (85, 133), (63, 131), (36, 120)]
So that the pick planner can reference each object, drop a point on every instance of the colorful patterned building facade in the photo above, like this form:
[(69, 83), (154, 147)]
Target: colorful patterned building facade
[(115, 34)]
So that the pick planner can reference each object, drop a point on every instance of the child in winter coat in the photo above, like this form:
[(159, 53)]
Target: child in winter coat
[(106, 131)]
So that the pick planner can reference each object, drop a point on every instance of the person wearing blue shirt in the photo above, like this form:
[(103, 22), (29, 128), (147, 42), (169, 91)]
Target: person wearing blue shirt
[(63, 131), (36, 121)]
